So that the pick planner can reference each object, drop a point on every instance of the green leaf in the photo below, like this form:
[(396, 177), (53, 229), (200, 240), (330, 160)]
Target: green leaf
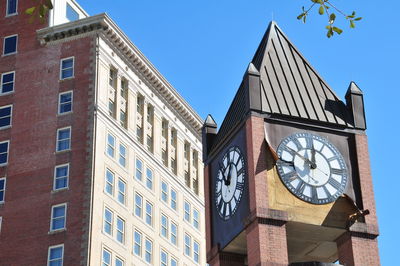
[(30, 11), (332, 18), (352, 25), (304, 19), (337, 30), (357, 19), (317, 1), (300, 16), (321, 10)]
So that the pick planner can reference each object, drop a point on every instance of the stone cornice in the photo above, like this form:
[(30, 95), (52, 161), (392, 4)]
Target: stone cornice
[(103, 23)]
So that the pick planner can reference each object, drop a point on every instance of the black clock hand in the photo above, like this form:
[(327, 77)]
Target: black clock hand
[(223, 169), (228, 178), (313, 157)]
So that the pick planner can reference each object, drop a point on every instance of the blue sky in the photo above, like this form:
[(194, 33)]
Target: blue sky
[(203, 48)]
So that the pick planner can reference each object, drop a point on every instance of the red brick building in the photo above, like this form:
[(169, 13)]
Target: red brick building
[(96, 147), (287, 174)]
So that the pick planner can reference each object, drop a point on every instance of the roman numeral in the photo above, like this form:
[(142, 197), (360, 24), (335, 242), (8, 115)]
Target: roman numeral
[(289, 176), (220, 205), (219, 192), (309, 141), (337, 171), (300, 187), (240, 171), (334, 183), (224, 210), (239, 186), (298, 144), (285, 163), (289, 150), (332, 158), (314, 195)]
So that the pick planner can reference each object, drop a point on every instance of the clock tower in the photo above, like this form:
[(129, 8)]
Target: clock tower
[(287, 174)]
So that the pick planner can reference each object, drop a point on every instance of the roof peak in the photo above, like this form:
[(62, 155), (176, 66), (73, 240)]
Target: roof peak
[(210, 121)]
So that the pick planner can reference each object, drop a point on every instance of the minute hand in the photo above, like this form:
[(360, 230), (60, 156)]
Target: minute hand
[(310, 163)]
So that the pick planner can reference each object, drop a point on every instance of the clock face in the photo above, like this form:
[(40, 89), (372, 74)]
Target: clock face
[(229, 183), (312, 168)]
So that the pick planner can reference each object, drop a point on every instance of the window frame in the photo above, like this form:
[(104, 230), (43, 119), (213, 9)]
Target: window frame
[(136, 205), (166, 192), (4, 190), (166, 256), (11, 112), (112, 185), (4, 45), (164, 228), (173, 201), (140, 171), (120, 232), (59, 102), (73, 67), (185, 212), (111, 223), (187, 246), (196, 221), (175, 235), (1, 83), (123, 156), (147, 252), (64, 217), (102, 256), (196, 253), (148, 203), (121, 180), (69, 140), (55, 177), (54, 247), (108, 145), (148, 180), (136, 244), (8, 150), (16, 9), (121, 260)]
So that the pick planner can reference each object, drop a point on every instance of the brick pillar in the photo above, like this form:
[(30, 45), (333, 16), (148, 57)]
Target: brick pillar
[(228, 259), (355, 248)]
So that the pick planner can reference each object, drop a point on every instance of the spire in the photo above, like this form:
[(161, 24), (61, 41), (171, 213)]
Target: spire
[(208, 132), (355, 103)]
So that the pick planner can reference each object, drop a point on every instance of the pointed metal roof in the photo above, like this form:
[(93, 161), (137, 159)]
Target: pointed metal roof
[(289, 87)]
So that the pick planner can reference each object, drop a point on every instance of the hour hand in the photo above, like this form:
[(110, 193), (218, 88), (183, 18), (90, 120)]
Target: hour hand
[(223, 169), (314, 165)]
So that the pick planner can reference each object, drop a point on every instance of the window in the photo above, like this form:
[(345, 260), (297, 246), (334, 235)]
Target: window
[(58, 217), (56, 255), (138, 205), (188, 245), (139, 169), (137, 249), (106, 257), (119, 262), (174, 262), (67, 68), (196, 218), (111, 107), (196, 251), (2, 189), (173, 199), (65, 102), (120, 230), (109, 186), (174, 233), (187, 211), (164, 191), (11, 7), (7, 82), (121, 191), (164, 226), (61, 173), (108, 220), (10, 45), (64, 139), (5, 116), (149, 178), (122, 155), (110, 145), (71, 14), (149, 213), (164, 258), (148, 256), (4, 152)]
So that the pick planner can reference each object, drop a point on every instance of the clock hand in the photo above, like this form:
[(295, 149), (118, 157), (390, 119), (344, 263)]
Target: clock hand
[(223, 169), (322, 171), (311, 164), (313, 157), (228, 178)]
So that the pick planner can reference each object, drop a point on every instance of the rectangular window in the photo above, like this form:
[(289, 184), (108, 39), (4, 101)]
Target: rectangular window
[(106, 258), (67, 68), (196, 251), (138, 243), (7, 82), (64, 139), (71, 14), (174, 262), (121, 191), (120, 230), (108, 221), (139, 169), (164, 258), (149, 213), (65, 102), (164, 191), (138, 205), (4, 146), (11, 7), (164, 226), (122, 155), (174, 233), (196, 218), (110, 145), (109, 184), (58, 217), (119, 262), (187, 211), (61, 173), (5, 116), (56, 255), (2, 189), (123, 119), (188, 245), (148, 256), (149, 178), (111, 108), (10, 45), (173, 199)]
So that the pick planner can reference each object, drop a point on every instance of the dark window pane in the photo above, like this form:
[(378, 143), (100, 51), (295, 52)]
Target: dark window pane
[(10, 45), (67, 73), (12, 7), (3, 158), (65, 98), (5, 121), (8, 77), (6, 111), (3, 147), (67, 63)]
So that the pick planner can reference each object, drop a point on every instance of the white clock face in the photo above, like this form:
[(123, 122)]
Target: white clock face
[(312, 168), (229, 183)]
